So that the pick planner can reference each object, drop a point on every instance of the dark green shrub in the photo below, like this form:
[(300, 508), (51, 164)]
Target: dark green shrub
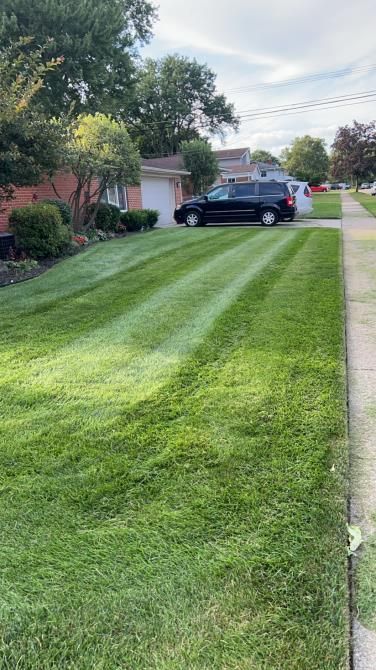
[(135, 219), (39, 230), (107, 217), (152, 217), (64, 209)]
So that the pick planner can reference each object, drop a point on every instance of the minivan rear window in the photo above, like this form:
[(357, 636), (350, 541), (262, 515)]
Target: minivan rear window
[(269, 188), (294, 187)]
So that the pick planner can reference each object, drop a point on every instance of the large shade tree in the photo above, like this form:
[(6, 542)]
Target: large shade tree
[(263, 156), (307, 159), (354, 152), (30, 143), (98, 39), (176, 100), (101, 154)]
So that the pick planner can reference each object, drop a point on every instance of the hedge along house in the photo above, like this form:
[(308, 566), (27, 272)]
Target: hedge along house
[(160, 188)]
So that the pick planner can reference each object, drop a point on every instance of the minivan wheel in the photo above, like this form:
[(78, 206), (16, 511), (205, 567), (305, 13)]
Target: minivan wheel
[(192, 219), (269, 217)]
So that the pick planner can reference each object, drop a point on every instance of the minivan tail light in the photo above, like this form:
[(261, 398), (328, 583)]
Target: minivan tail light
[(307, 192), (290, 201)]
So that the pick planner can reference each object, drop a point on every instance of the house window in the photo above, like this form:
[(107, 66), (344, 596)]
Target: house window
[(231, 180), (116, 196), (263, 173)]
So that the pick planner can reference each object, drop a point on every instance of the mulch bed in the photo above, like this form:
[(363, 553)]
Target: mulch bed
[(15, 276), (8, 276)]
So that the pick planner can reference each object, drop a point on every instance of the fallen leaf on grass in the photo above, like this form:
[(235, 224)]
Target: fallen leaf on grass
[(355, 538)]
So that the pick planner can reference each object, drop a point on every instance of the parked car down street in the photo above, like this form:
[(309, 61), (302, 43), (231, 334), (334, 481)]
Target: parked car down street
[(324, 188), (266, 202), (365, 185)]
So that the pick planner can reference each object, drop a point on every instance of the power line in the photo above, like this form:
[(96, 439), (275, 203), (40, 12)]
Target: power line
[(304, 111), (303, 102), (279, 115), (308, 103), (270, 112), (266, 111), (362, 69)]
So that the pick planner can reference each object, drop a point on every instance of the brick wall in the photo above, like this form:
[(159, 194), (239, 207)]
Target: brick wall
[(238, 179), (65, 184), (178, 192), (134, 197)]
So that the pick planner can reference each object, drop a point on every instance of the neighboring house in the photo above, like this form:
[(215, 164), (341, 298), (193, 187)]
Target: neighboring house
[(254, 171), (161, 188), (227, 158)]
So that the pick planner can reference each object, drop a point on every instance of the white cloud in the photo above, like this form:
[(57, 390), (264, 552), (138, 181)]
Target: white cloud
[(247, 43)]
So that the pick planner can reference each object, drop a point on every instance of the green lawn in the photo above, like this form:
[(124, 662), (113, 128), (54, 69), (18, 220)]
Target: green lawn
[(173, 456), (326, 206), (368, 201)]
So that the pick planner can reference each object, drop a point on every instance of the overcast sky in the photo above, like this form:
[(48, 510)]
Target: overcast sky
[(247, 43)]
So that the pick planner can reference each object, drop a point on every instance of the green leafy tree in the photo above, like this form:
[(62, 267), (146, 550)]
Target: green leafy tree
[(98, 39), (199, 159), (307, 159), (175, 101), (101, 154), (30, 144), (354, 152), (263, 156)]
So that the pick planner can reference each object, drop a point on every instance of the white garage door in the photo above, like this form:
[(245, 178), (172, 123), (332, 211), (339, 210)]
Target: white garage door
[(157, 193)]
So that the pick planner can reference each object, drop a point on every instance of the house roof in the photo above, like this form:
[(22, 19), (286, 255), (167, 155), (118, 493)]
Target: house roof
[(266, 166), (165, 162), (241, 169), (176, 162), (230, 153)]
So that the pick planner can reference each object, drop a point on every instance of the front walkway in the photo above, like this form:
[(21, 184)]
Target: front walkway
[(359, 240)]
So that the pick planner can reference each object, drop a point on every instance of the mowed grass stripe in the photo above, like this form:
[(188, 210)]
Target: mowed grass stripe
[(93, 267), (185, 309), (113, 357), (39, 412), (204, 526), (73, 314)]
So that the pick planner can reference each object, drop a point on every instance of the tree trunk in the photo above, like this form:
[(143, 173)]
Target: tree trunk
[(76, 209)]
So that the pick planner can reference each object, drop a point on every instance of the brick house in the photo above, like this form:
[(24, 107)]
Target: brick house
[(160, 188)]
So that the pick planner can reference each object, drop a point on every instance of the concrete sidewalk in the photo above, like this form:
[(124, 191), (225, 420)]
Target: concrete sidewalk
[(359, 242)]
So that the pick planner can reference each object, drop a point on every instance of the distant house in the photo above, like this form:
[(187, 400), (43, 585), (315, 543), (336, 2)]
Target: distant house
[(227, 158), (253, 171)]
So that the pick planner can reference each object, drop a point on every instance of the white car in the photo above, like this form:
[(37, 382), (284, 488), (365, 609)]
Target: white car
[(303, 194), (373, 189)]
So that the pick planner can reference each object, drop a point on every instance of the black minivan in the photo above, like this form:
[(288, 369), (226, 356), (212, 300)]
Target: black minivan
[(266, 201)]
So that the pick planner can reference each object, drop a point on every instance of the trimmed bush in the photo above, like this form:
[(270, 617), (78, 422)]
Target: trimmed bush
[(152, 216), (134, 220), (64, 209), (39, 230), (107, 217), (139, 219)]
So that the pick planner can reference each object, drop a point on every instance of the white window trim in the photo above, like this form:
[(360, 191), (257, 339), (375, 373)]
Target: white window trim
[(116, 203)]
